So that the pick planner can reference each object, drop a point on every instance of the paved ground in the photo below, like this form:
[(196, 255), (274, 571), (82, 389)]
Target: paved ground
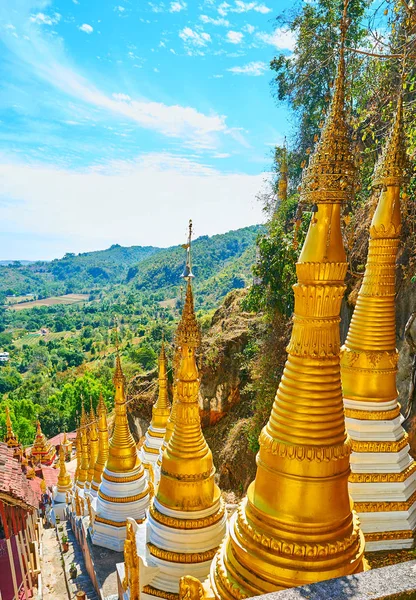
[(54, 587), (74, 555)]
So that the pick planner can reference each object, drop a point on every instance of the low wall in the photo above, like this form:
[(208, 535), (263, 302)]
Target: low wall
[(397, 582)]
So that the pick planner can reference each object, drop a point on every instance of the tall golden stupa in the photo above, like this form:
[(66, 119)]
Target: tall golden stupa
[(102, 446), (282, 186), (11, 438), (296, 525), (187, 520), (124, 490), (156, 431), (42, 451), (83, 461), (383, 477), (93, 447)]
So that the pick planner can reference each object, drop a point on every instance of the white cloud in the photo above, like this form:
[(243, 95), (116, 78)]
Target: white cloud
[(254, 68), (282, 39), (177, 6), (234, 37), (249, 28), (42, 19), (91, 192), (194, 38), (75, 1), (156, 8), (120, 9), (211, 21), (242, 7), (86, 28)]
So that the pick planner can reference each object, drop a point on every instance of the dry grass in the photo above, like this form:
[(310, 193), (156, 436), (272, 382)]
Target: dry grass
[(66, 299)]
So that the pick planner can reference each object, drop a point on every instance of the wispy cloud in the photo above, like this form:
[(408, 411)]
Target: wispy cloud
[(282, 39), (86, 28), (212, 21), (119, 9), (177, 6), (194, 38), (242, 7), (42, 19), (234, 37), (156, 8), (254, 68)]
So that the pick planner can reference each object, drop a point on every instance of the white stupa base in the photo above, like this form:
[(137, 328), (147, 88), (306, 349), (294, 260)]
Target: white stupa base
[(384, 529), (185, 541), (109, 528), (59, 496)]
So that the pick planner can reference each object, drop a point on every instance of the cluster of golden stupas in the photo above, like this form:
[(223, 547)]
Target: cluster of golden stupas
[(332, 454)]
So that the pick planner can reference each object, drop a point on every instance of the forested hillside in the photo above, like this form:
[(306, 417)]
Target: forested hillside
[(59, 352)]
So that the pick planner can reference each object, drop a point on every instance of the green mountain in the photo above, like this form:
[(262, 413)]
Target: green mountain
[(220, 263)]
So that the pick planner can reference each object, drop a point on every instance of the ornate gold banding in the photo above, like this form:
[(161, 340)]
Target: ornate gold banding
[(126, 479), (125, 499), (190, 477), (115, 523), (310, 453), (365, 446), (290, 548), (150, 450), (385, 506), (187, 523), (373, 415), (382, 477), (148, 589), (381, 536), (181, 557), (155, 434)]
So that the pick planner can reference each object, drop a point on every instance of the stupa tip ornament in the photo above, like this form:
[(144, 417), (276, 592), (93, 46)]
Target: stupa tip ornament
[(290, 531), (383, 474), (124, 490), (282, 185), (93, 446)]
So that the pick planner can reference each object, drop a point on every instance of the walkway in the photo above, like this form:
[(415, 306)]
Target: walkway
[(54, 586), (74, 555)]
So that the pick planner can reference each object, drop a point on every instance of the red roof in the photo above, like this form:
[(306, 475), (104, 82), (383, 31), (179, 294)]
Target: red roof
[(13, 481), (57, 439), (50, 475)]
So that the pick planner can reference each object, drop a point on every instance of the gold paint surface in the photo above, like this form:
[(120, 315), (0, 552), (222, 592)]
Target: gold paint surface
[(102, 444), (296, 526)]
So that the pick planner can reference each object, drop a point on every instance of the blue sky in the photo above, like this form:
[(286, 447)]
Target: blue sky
[(121, 120)]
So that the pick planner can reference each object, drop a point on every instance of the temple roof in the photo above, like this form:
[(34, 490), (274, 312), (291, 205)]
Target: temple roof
[(57, 439), (14, 487)]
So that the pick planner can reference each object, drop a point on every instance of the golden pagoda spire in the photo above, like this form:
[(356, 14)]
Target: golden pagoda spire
[(102, 444), (42, 451), (64, 479), (93, 445), (296, 525), (122, 454), (382, 480), (11, 438), (78, 454), (83, 470), (282, 186)]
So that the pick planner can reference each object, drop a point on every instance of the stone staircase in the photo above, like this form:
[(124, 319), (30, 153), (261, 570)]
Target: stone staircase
[(74, 555)]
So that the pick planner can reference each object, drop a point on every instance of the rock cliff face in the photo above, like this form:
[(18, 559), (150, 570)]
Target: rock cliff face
[(222, 376)]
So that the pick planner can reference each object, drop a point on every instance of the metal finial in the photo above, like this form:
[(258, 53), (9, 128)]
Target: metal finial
[(187, 273)]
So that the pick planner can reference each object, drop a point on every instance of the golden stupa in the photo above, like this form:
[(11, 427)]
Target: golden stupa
[(67, 444), (102, 446), (187, 502), (155, 434), (124, 490), (64, 480), (42, 451), (296, 525), (383, 477), (78, 453), (282, 186), (83, 461), (93, 447), (11, 438)]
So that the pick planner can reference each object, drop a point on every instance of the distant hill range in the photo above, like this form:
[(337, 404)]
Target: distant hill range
[(220, 263)]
